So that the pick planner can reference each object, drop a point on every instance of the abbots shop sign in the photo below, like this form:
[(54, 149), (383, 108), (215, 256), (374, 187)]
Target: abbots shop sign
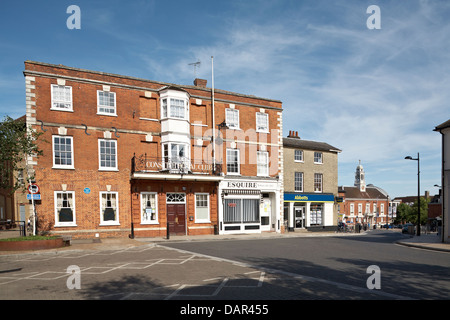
[(308, 197)]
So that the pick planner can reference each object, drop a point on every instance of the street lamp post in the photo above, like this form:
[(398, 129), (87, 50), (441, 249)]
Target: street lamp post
[(418, 190)]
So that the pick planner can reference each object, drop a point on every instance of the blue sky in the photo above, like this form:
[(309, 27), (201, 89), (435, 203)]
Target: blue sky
[(376, 94)]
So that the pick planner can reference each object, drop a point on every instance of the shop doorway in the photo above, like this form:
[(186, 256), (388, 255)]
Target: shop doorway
[(299, 216)]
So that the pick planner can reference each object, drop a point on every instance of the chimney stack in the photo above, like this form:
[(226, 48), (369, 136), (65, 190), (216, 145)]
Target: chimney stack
[(293, 134), (200, 82)]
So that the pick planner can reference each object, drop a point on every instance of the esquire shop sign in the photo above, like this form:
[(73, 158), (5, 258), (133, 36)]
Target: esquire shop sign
[(249, 185)]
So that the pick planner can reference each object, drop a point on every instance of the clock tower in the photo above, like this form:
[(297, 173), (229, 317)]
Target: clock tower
[(360, 181)]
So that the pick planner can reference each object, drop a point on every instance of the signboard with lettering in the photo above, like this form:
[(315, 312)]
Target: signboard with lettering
[(293, 197)]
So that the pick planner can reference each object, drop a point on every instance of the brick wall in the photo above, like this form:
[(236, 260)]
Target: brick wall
[(137, 129)]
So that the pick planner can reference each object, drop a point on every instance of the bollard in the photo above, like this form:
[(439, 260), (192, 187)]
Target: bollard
[(168, 235)]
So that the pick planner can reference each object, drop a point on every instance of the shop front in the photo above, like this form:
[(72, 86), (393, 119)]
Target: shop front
[(249, 206), (308, 211)]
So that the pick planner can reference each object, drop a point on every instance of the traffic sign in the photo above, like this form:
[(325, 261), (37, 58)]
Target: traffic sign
[(34, 196), (33, 188)]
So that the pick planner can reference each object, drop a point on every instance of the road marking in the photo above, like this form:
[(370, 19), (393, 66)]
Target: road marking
[(302, 277)]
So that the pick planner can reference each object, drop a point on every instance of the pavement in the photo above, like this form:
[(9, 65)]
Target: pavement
[(425, 241)]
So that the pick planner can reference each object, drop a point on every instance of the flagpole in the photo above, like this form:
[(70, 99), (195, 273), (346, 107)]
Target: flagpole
[(213, 116)]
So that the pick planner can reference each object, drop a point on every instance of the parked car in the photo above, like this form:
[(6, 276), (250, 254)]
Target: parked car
[(405, 227)]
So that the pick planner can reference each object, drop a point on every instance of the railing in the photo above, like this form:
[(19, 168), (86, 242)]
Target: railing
[(179, 165)]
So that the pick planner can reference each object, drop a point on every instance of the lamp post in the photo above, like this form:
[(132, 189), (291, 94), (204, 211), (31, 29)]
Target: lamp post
[(418, 190)]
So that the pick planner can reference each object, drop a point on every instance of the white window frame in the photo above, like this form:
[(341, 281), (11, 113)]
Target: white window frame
[(63, 166), (298, 155), (316, 175), (176, 163), (262, 166), (53, 99), (104, 168), (300, 180), (72, 223), (238, 164), (232, 118), (367, 208), (262, 122), (198, 220), (109, 222), (171, 110), (352, 209), (318, 157), (359, 209), (99, 106), (143, 208)]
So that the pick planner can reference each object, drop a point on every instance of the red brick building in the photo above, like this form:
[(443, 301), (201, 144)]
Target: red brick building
[(127, 156), (366, 205)]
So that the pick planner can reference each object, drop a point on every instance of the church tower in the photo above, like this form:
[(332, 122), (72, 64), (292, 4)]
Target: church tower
[(360, 181)]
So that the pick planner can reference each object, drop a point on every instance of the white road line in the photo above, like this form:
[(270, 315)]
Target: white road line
[(302, 277)]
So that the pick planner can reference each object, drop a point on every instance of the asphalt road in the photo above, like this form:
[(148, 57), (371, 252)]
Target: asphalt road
[(405, 273), (288, 269)]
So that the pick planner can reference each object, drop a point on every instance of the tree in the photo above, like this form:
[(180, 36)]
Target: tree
[(17, 142), (407, 213), (423, 211), (403, 213)]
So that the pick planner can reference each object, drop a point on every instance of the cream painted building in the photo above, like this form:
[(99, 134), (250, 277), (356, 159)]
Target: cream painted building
[(310, 183)]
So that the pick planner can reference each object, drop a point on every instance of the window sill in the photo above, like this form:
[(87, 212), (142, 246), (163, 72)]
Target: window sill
[(61, 109), (107, 114), (109, 224), (108, 169), (150, 223), (202, 221), (149, 119), (318, 162), (263, 131), (63, 168), (59, 225)]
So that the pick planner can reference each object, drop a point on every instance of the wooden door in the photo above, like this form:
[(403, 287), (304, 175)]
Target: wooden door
[(176, 216)]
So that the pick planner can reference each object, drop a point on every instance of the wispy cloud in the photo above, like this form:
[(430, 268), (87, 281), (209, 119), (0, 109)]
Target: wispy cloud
[(375, 94)]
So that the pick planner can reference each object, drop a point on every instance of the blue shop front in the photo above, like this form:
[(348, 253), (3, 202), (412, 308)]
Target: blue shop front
[(309, 211)]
